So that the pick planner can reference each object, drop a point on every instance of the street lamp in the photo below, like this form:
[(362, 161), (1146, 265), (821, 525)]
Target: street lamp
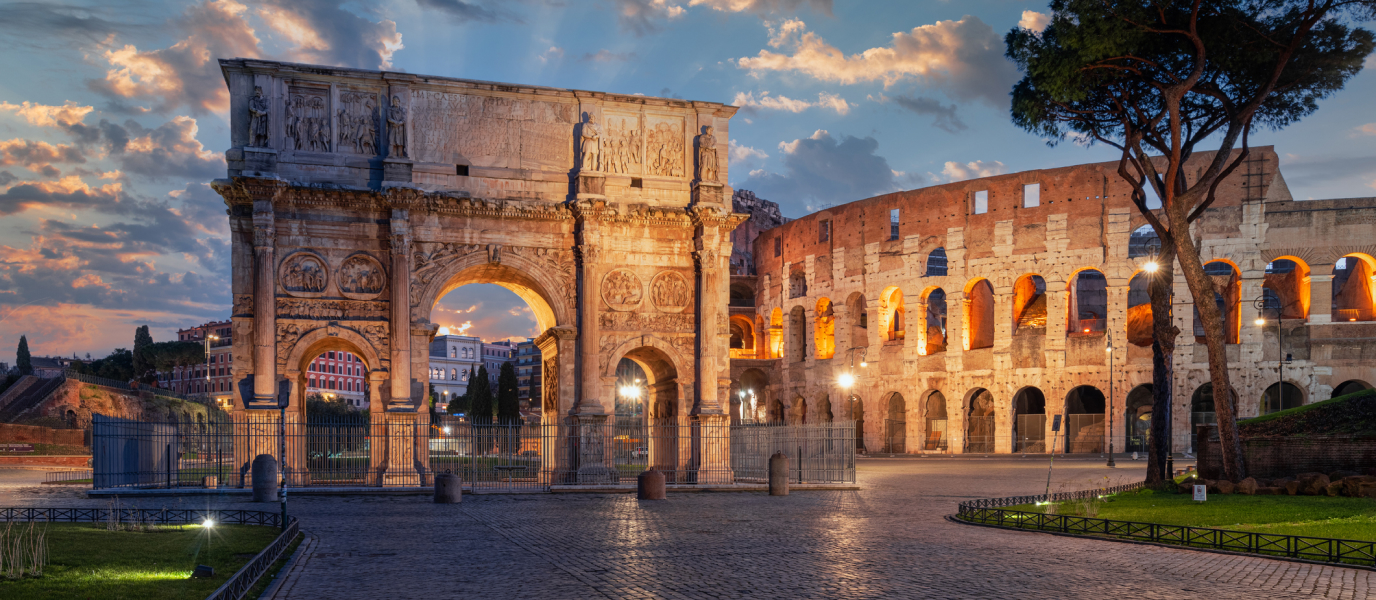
[(1109, 349), (1281, 356), (207, 339)]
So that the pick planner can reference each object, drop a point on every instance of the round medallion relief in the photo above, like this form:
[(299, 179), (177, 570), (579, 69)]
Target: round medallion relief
[(622, 290), (360, 277), (670, 292), (303, 274)]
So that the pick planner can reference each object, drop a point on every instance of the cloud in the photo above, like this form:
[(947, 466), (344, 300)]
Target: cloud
[(467, 10), (37, 156), (745, 158), (1362, 130), (955, 171), (821, 169), (490, 311), (55, 25), (748, 101), (964, 58), (69, 192), (169, 151), (42, 115), (643, 16), (605, 56), (1034, 20), (323, 32), (946, 118), (554, 53), (764, 7)]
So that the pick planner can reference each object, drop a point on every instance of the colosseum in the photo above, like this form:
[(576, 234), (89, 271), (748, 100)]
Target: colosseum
[(967, 313)]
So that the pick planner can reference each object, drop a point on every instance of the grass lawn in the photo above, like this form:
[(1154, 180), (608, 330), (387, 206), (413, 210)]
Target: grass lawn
[(87, 561), (1317, 516)]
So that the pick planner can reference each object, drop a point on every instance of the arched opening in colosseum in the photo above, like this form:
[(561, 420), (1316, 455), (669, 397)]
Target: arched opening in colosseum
[(775, 412), (1084, 432), (797, 335), (895, 424), (936, 263), (980, 429), (1087, 308), (1143, 242), (1352, 288), (935, 410), (1029, 420), (1137, 420), (1228, 297), (1140, 329), (858, 316), (742, 295), (776, 333), (857, 414), (742, 337), (1286, 289), (979, 314), (1350, 386), (1029, 305), (1280, 396), (895, 314), (824, 414), (754, 383), (797, 413), (935, 322), (824, 334)]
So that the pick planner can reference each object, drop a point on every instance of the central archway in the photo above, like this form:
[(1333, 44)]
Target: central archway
[(666, 413)]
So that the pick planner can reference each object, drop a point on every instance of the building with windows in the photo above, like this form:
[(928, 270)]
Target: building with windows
[(338, 376), (496, 353), (528, 374), (209, 378), (453, 359)]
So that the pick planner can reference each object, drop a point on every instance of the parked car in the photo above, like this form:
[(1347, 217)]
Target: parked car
[(640, 452)]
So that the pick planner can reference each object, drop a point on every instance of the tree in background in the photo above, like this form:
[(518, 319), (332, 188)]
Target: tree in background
[(480, 398), (1158, 79), (119, 365), (463, 402), (508, 396), (166, 357), (22, 360), (143, 359)]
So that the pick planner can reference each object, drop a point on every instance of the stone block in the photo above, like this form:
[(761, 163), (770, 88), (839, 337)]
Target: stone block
[(1334, 489), (1270, 491), (1366, 489), (1292, 488), (448, 488), (265, 479), (1247, 486), (1225, 487), (650, 486), (1352, 485), (1314, 484)]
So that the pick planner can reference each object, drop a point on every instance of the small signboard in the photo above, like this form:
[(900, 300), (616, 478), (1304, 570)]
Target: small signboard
[(1201, 493), (1055, 423)]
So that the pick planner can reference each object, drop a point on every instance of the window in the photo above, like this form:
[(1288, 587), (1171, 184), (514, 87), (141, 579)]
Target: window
[(981, 202), (893, 224), (331, 356), (936, 263), (1031, 195), (778, 246), (824, 231), (452, 352)]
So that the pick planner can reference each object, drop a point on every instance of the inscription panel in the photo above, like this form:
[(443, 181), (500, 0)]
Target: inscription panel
[(479, 130)]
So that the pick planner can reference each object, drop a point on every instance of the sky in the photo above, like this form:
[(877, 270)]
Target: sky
[(113, 120)]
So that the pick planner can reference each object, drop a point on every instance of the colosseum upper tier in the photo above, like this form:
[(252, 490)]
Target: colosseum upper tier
[(971, 314)]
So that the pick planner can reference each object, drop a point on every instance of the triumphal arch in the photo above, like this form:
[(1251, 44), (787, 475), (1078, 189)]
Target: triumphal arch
[(358, 198)]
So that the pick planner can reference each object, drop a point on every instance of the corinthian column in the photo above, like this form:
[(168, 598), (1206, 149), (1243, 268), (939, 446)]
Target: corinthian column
[(401, 313), (264, 305), (588, 400)]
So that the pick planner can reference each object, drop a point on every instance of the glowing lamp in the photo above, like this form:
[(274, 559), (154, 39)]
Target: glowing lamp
[(846, 380), (1261, 322), (1151, 266), (208, 523)]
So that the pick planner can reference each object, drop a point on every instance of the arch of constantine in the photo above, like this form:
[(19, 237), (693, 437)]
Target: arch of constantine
[(357, 199), (979, 308)]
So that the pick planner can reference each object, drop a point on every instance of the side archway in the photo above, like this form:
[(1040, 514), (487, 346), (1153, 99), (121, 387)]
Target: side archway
[(980, 429), (895, 424), (934, 407), (1350, 386)]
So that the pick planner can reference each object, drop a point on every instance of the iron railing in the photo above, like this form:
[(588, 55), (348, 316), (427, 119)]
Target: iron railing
[(1030, 436), (404, 450), (989, 511), (61, 476), (936, 435), (244, 579), (1084, 433), (980, 436)]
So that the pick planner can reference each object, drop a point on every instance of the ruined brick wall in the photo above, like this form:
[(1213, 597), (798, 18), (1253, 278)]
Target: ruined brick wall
[(25, 434), (1280, 457)]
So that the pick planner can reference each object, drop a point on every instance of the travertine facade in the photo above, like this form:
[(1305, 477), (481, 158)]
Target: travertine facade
[(1040, 269), (357, 199)]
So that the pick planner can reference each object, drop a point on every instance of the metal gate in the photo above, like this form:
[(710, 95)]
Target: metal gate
[(1030, 436), (895, 436), (980, 439)]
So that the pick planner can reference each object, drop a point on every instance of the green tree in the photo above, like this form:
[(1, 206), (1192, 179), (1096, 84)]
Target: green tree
[(1159, 81), (480, 398), (508, 395), (462, 402), (143, 359), (22, 360)]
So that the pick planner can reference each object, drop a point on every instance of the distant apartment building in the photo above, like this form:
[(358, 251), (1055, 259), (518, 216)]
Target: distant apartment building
[(453, 359), (494, 354), (338, 375), (528, 374), (209, 378)]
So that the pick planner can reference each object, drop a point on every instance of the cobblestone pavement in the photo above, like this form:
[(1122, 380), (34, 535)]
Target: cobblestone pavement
[(887, 540)]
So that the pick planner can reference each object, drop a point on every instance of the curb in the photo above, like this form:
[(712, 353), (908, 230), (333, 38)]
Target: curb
[(1340, 565), (289, 570)]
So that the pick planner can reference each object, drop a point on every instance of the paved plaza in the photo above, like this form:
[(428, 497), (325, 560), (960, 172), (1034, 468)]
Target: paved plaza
[(890, 539)]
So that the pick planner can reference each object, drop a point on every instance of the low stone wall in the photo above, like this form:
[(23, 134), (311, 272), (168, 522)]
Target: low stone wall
[(30, 460), (1280, 457), (27, 434)]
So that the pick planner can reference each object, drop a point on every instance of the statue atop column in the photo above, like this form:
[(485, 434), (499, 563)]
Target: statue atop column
[(258, 119), (396, 129), (590, 143), (707, 155)]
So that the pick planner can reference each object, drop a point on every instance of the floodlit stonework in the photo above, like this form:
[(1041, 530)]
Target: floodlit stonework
[(981, 304), (357, 199)]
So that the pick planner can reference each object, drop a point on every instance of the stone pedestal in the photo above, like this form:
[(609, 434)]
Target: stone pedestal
[(399, 449), (250, 161), (711, 449), (596, 465), (590, 185), (707, 192), (396, 170)]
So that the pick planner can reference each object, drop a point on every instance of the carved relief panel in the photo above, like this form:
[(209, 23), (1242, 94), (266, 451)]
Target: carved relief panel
[(664, 146), (356, 123), (622, 290), (622, 144), (303, 274), (306, 120), (360, 277), (671, 292)]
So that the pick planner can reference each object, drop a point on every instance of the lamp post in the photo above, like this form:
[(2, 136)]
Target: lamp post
[(1281, 357), (1109, 349), (207, 339)]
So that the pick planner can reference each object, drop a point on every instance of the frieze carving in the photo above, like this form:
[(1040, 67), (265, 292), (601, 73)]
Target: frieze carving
[(307, 121), (258, 119), (304, 273), (243, 304), (494, 253), (331, 310), (287, 334), (621, 146), (622, 290), (550, 388), (377, 336), (357, 124), (429, 258), (707, 155), (361, 277), (664, 149), (685, 344), (396, 129), (560, 261), (632, 321), (670, 292)]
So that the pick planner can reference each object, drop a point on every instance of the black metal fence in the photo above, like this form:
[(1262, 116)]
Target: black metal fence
[(65, 476), (406, 451), (989, 511)]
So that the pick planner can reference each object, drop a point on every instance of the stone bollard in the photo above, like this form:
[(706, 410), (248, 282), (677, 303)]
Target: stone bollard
[(778, 474), (448, 488), (210, 482), (650, 486), (264, 478)]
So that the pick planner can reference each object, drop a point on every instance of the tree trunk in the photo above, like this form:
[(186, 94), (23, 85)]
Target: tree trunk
[(1164, 333), (1202, 289)]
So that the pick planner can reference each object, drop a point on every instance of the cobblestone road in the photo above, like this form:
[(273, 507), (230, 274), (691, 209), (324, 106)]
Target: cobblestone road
[(888, 540)]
